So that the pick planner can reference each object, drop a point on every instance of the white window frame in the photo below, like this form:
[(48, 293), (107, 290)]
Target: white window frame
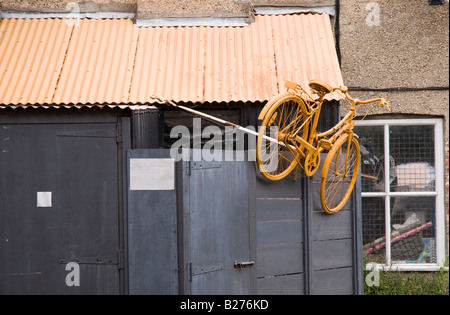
[(438, 193)]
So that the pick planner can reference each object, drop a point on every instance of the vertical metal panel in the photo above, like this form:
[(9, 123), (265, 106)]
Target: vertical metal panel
[(152, 236)]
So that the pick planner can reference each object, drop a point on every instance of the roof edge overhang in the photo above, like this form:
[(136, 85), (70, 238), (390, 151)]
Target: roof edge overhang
[(78, 106)]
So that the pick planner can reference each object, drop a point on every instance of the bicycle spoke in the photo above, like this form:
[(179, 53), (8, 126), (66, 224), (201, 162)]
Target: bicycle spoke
[(292, 123)]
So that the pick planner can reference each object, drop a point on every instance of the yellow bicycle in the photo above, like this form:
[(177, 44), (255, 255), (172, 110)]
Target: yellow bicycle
[(291, 119)]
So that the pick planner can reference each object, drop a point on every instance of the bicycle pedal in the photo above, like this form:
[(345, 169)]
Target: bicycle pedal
[(326, 144)]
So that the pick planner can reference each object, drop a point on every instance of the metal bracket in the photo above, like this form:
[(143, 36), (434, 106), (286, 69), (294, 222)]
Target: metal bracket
[(98, 260)]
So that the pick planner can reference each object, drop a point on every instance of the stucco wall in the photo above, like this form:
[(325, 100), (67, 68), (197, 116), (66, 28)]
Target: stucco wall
[(61, 5), (183, 8), (406, 46), (409, 48), (160, 8)]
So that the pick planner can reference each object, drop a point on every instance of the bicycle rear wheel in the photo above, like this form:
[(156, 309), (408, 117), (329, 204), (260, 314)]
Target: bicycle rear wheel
[(339, 173), (284, 121)]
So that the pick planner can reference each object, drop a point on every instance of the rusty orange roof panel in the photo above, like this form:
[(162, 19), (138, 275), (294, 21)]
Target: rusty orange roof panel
[(31, 58), (305, 50), (112, 61), (99, 62)]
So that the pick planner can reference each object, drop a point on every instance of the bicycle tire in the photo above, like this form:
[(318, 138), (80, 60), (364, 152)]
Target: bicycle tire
[(287, 112), (336, 187)]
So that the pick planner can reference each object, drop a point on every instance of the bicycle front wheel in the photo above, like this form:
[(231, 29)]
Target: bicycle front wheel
[(284, 121), (339, 173)]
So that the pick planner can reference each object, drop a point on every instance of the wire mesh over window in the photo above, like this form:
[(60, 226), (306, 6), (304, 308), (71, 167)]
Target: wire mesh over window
[(412, 148), (412, 229), (373, 219), (396, 162)]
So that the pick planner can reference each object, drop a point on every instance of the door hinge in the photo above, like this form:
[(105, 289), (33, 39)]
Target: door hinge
[(201, 165), (199, 270)]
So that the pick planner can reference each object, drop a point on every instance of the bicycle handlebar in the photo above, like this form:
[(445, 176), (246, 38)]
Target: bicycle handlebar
[(383, 102)]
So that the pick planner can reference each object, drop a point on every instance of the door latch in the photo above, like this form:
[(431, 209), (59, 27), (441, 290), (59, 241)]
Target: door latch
[(242, 264)]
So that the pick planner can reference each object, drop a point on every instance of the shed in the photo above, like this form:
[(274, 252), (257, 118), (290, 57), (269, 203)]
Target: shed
[(81, 149)]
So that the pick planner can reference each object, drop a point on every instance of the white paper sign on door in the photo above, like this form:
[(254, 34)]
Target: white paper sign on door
[(152, 174)]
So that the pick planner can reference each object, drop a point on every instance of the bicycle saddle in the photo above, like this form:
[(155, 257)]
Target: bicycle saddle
[(320, 86)]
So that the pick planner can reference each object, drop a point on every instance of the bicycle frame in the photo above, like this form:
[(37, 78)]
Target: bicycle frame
[(346, 124)]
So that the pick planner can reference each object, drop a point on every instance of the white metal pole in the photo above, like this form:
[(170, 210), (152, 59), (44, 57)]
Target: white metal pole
[(219, 120)]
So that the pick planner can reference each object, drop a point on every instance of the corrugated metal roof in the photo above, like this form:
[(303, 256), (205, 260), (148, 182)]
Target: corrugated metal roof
[(112, 61)]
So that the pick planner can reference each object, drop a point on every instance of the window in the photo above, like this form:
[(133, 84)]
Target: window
[(402, 189)]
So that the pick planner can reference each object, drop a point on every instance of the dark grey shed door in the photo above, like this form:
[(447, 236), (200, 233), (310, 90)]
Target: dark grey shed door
[(189, 225), (218, 207), (58, 204)]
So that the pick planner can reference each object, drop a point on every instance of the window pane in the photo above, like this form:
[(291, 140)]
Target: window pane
[(371, 141), (413, 229), (373, 220), (412, 148)]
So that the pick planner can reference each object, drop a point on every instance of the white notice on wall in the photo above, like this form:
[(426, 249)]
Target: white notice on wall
[(44, 199), (152, 174)]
